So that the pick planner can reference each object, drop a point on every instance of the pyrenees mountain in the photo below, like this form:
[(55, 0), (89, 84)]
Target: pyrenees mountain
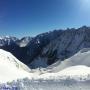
[(55, 60), (47, 48), (66, 45), (27, 48)]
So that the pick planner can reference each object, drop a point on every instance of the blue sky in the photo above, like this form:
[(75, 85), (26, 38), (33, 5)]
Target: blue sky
[(31, 17)]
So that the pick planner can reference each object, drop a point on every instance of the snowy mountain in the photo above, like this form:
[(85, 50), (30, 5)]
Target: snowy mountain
[(47, 48), (66, 45), (28, 48), (11, 68), (24, 41), (7, 40), (65, 56)]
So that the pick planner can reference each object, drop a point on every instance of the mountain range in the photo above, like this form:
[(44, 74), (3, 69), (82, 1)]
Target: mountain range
[(47, 48), (54, 60)]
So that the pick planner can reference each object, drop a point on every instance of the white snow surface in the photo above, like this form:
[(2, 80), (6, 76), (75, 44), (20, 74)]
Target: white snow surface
[(76, 67), (74, 72), (11, 68)]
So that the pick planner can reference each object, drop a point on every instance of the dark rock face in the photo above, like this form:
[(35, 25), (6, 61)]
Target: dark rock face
[(27, 48), (52, 46), (66, 45), (39, 42)]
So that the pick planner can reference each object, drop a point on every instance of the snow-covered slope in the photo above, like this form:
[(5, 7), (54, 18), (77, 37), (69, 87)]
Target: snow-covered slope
[(66, 79), (74, 72), (80, 58), (76, 67), (11, 68), (79, 70)]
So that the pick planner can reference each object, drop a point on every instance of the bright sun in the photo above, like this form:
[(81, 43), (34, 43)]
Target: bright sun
[(85, 5)]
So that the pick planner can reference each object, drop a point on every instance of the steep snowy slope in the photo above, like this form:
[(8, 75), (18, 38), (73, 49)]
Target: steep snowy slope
[(80, 58), (11, 68)]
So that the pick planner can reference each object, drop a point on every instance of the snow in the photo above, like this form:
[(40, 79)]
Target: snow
[(24, 41), (76, 70), (26, 84), (11, 68), (68, 43), (73, 74), (7, 40), (73, 78), (80, 58)]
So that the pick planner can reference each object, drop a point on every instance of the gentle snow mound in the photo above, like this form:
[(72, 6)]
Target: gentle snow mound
[(74, 72)]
